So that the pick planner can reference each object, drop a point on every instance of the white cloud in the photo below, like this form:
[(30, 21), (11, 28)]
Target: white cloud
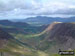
[(36, 7)]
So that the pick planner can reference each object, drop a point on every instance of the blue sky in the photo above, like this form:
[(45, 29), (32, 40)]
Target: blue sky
[(12, 9)]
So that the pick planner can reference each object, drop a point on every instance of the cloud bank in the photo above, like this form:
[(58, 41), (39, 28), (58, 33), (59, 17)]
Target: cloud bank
[(24, 8)]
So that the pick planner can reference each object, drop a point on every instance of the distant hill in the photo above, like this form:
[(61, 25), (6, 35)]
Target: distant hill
[(45, 20), (20, 27), (15, 24), (14, 27)]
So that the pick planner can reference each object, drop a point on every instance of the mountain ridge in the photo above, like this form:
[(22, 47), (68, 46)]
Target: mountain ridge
[(63, 34), (45, 20)]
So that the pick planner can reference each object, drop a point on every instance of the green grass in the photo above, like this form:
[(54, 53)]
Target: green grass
[(17, 49), (7, 26)]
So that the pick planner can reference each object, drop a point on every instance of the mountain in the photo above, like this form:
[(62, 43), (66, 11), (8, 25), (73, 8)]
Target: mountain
[(15, 24), (38, 20), (20, 27), (9, 46), (51, 38), (58, 36), (4, 35), (3, 38), (14, 27)]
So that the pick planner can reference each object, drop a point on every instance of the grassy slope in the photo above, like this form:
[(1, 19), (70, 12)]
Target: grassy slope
[(17, 49)]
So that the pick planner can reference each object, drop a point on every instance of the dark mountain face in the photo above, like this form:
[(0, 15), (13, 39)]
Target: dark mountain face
[(62, 30), (58, 36), (4, 35)]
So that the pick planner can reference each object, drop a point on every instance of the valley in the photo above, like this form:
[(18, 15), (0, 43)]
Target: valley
[(22, 40), (37, 27)]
